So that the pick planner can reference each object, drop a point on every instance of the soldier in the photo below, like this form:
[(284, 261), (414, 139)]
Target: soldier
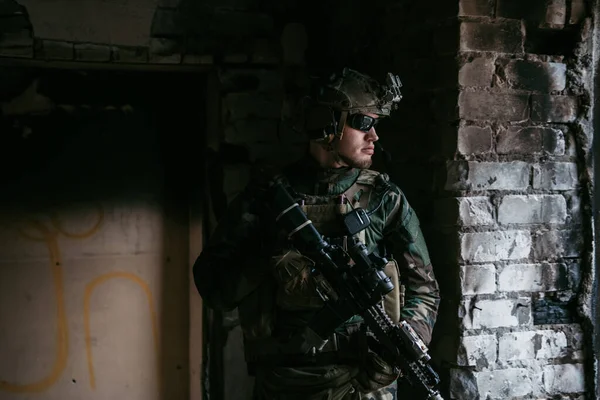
[(249, 264)]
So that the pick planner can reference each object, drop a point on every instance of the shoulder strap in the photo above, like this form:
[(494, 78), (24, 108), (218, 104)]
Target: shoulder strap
[(368, 181), (367, 177)]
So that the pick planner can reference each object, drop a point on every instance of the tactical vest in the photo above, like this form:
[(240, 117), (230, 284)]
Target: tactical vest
[(295, 290)]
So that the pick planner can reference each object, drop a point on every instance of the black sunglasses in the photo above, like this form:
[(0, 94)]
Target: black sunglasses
[(361, 122)]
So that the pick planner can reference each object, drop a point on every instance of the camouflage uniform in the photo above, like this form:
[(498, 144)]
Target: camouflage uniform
[(248, 264)]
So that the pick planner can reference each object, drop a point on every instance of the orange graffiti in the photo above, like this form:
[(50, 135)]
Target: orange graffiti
[(86, 314), (45, 234)]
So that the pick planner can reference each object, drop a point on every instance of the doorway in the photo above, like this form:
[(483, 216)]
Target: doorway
[(103, 178)]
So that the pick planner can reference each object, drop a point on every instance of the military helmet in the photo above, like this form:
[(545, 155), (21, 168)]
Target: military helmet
[(346, 93)]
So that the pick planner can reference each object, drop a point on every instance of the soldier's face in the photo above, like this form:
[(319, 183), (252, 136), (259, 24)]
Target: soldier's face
[(357, 147)]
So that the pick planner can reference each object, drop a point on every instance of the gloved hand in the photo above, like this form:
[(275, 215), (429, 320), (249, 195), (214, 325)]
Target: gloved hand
[(374, 373)]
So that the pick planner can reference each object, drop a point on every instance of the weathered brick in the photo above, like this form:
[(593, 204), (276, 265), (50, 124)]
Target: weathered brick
[(478, 351), (530, 140), (165, 51), (553, 309), (238, 106), (532, 277), (465, 211), (463, 384), (556, 12), (546, 11), (575, 208), (475, 211), (477, 72), (532, 75), (92, 52), (551, 245), (532, 345), (128, 54), (486, 105), (578, 11), (533, 209), (56, 50), (474, 8), (474, 140), (500, 313), (548, 108), (504, 384), (251, 130), (472, 175), (478, 279), (565, 378), (490, 385), (495, 246), (555, 176), (501, 37)]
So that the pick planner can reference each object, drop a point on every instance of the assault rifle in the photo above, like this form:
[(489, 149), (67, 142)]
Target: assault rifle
[(353, 283)]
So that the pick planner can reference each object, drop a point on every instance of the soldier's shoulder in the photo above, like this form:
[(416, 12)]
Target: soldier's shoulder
[(379, 180), (368, 177)]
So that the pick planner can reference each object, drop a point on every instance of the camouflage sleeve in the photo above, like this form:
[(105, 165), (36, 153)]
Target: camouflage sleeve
[(402, 233), (232, 264)]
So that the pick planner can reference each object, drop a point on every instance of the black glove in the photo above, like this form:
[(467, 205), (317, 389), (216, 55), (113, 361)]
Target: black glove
[(374, 373)]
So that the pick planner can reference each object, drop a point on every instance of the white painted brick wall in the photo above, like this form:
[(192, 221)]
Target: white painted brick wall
[(495, 246), (555, 176), (532, 277), (475, 211), (534, 209), (478, 351), (567, 378), (478, 279), (464, 211), (463, 175), (531, 345), (504, 384), (552, 244), (477, 314)]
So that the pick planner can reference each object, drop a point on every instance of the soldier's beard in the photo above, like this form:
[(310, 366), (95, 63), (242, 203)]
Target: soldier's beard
[(356, 162)]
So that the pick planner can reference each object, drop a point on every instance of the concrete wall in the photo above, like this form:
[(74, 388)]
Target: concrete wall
[(95, 256)]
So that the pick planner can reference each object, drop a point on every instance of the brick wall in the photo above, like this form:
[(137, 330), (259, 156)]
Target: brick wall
[(514, 203)]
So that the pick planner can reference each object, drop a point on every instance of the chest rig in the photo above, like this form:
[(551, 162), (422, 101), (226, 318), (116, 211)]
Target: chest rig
[(297, 290)]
